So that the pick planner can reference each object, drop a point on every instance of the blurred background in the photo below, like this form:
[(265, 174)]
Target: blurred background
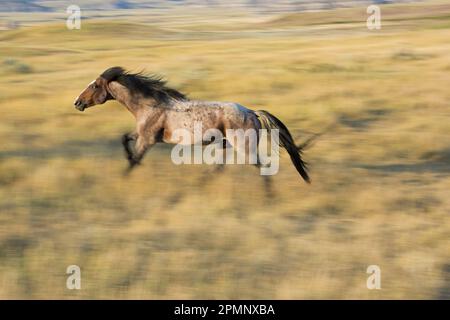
[(380, 172)]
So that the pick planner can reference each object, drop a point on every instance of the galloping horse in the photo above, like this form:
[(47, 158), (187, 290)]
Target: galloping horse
[(159, 110)]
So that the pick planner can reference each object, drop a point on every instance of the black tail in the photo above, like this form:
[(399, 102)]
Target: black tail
[(269, 121)]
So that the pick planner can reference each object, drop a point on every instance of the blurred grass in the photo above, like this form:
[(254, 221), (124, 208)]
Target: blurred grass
[(380, 173)]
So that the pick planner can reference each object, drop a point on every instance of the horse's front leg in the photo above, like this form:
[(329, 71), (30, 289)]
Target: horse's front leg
[(126, 139), (143, 144)]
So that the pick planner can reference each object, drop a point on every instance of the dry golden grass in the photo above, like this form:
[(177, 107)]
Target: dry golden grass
[(380, 172)]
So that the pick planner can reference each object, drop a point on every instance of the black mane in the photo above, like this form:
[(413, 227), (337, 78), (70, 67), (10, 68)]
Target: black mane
[(147, 84)]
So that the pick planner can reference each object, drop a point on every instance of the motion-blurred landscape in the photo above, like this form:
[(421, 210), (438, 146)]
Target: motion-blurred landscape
[(380, 171)]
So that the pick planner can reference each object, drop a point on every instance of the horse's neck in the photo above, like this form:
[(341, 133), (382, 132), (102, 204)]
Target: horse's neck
[(132, 107), (135, 104), (138, 106)]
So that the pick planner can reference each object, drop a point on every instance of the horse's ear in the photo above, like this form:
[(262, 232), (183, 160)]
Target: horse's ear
[(102, 82)]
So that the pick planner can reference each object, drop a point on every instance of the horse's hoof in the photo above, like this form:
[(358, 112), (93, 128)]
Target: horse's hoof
[(127, 171), (133, 163)]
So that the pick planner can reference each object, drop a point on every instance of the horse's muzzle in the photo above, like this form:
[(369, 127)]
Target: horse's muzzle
[(80, 105)]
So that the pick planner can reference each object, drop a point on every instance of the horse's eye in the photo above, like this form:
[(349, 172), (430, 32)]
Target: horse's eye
[(95, 86)]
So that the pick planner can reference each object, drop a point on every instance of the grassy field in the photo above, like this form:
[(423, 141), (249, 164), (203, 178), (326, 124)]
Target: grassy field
[(380, 173)]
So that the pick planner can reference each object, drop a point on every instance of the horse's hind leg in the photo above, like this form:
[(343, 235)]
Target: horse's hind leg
[(217, 169), (267, 183), (268, 186)]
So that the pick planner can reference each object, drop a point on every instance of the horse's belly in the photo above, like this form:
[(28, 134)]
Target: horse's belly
[(190, 128)]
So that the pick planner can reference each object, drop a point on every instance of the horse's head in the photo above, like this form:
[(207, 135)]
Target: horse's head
[(97, 92)]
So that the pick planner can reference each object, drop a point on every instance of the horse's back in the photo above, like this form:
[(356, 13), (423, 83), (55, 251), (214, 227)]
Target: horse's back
[(212, 114), (220, 105)]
